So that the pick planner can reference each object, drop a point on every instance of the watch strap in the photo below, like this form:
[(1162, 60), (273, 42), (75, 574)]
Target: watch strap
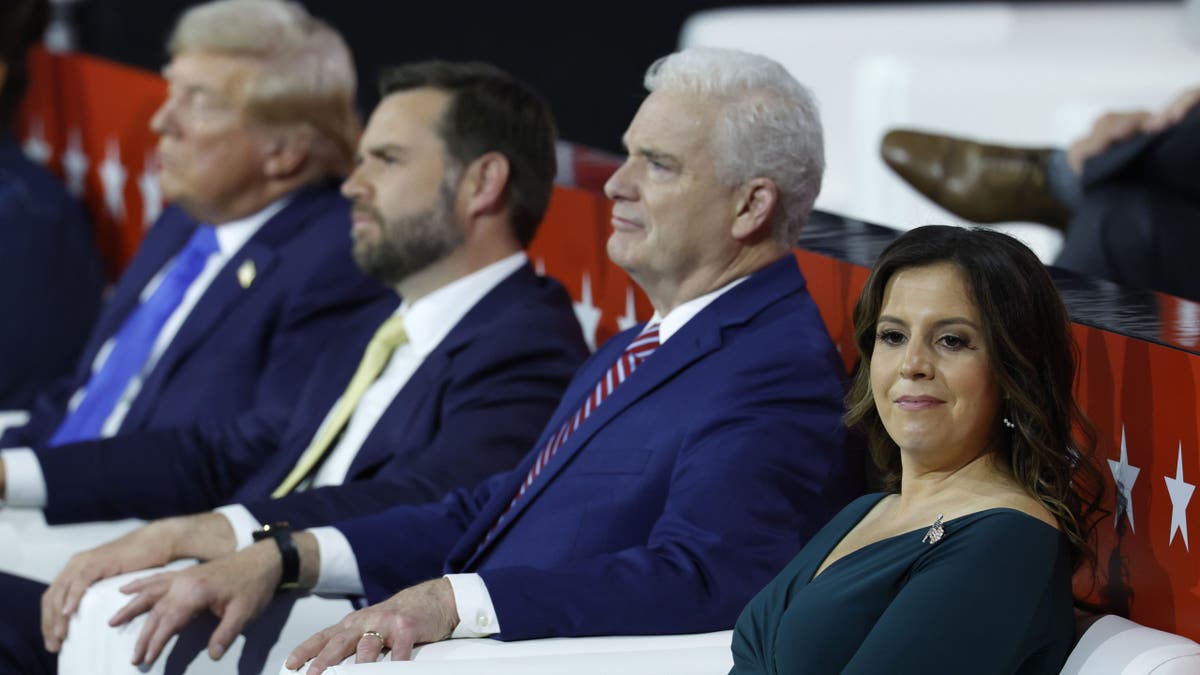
[(281, 533)]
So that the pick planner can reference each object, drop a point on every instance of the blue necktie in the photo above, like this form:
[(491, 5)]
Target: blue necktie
[(134, 341)]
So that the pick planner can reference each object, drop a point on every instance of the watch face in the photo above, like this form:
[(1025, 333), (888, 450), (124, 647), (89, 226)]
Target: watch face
[(270, 530)]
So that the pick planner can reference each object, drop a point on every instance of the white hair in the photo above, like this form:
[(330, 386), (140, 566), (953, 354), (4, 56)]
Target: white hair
[(769, 124), (306, 77)]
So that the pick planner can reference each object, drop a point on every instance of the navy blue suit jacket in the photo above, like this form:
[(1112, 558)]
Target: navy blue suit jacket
[(240, 348), (50, 278), (687, 490), (472, 408)]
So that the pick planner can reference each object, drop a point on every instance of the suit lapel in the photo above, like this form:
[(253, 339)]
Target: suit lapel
[(156, 252), (221, 296), (224, 293), (378, 446), (513, 289), (697, 338), (677, 354), (328, 381)]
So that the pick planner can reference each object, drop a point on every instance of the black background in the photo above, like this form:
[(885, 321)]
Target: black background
[(587, 58)]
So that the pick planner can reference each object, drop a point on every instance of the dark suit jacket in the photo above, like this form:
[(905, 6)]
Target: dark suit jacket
[(472, 408), (240, 348), (1139, 222), (688, 489), (50, 278)]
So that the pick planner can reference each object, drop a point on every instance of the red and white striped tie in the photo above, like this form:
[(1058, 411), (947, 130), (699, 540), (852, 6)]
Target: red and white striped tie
[(637, 352)]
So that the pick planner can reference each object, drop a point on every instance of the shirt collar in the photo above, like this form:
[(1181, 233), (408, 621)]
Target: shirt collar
[(231, 236), (678, 317), (428, 320)]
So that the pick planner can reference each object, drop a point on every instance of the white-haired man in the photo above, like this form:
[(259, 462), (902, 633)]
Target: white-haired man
[(689, 458)]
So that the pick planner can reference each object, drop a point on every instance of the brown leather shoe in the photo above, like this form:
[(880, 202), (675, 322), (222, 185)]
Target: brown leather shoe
[(979, 182)]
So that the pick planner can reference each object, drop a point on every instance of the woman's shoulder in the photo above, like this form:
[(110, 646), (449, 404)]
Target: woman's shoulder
[(1003, 524), (1003, 499)]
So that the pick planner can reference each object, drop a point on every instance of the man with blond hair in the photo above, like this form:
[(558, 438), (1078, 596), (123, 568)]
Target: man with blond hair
[(242, 279)]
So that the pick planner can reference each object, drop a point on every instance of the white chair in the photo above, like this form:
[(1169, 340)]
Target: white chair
[(1111, 646), (12, 418), (700, 654), (39, 551), (1116, 646)]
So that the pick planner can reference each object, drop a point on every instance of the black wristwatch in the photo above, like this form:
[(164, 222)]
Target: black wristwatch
[(281, 532)]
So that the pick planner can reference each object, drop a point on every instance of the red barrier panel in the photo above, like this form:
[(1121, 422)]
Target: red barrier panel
[(570, 246), (87, 119), (1143, 397)]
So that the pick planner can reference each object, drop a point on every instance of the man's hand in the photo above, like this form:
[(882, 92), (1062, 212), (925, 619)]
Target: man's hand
[(1174, 112), (1114, 127), (1107, 130), (417, 615), (236, 588), (153, 545)]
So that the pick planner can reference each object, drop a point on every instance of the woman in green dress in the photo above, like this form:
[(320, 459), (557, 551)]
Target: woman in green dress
[(964, 564)]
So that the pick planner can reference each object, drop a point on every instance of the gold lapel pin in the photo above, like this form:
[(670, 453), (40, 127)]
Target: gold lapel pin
[(246, 273)]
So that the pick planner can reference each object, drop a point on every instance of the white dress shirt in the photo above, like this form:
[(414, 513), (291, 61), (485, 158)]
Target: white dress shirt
[(477, 615), (427, 322), (26, 486)]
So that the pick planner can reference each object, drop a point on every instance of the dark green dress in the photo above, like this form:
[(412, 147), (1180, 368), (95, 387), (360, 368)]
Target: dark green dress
[(992, 596)]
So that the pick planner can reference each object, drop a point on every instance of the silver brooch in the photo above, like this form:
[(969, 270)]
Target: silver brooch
[(935, 532)]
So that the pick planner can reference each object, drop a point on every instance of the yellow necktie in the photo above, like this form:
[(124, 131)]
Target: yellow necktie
[(389, 336)]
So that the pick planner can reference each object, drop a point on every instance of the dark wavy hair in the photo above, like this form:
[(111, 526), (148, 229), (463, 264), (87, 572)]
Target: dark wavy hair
[(1033, 356)]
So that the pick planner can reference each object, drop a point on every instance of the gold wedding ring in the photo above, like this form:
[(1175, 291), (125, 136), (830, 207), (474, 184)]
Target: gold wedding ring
[(375, 634)]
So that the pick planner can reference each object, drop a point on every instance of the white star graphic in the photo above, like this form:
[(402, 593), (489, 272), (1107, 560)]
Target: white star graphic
[(1124, 475), (587, 313), (629, 318), (1181, 493), (75, 163), (112, 177), (151, 192), (35, 146)]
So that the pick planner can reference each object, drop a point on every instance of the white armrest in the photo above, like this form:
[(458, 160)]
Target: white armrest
[(701, 654), (39, 551), (12, 418), (1116, 646)]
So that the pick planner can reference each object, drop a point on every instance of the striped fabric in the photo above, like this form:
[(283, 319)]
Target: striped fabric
[(637, 352)]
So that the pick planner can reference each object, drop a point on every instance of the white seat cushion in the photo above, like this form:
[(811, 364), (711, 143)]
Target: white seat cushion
[(1116, 646), (701, 654)]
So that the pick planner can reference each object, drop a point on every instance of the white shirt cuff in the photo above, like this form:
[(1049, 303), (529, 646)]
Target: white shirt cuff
[(243, 522), (25, 483), (339, 566), (476, 614)]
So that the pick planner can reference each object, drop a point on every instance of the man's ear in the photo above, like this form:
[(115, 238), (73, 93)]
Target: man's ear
[(286, 153), (484, 182), (757, 200)]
